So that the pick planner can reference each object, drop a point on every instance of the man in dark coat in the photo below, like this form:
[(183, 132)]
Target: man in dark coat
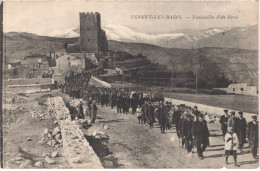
[(253, 135), (144, 111), (162, 114), (150, 114), (240, 130), (223, 121), (177, 119), (201, 135), (187, 133)]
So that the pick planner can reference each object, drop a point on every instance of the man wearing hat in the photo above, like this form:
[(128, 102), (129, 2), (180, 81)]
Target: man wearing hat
[(223, 121), (253, 135), (232, 120), (196, 112), (240, 129), (231, 145), (200, 134)]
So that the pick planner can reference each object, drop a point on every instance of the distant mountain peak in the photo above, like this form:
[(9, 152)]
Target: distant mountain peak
[(209, 37)]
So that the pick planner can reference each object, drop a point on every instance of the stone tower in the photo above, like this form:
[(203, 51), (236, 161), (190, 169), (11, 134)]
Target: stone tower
[(92, 38)]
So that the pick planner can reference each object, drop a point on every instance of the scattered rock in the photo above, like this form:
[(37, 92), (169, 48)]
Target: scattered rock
[(105, 127), (56, 131), (46, 131), (49, 160), (26, 164), (57, 146), (49, 142), (55, 122), (109, 163), (53, 143), (18, 158), (44, 155), (49, 135), (38, 164), (94, 133), (29, 139), (54, 154), (109, 157), (58, 136)]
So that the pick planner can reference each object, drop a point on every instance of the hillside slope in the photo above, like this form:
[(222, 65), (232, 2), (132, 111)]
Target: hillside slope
[(239, 65)]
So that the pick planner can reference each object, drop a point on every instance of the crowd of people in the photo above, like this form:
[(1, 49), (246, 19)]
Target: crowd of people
[(190, 125)]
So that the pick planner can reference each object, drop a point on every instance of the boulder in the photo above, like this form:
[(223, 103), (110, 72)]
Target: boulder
[(54, 154), (49, 160), (29, 139), (56, 131), (38, 164)]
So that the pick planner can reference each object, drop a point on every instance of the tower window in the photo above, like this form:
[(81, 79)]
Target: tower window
[(88, 40), (87, 29), (69, 63)]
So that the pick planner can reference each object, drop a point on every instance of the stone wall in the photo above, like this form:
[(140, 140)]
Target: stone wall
[(76, 148)]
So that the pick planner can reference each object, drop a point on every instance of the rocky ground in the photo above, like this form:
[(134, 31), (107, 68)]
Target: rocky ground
[(117, 139)]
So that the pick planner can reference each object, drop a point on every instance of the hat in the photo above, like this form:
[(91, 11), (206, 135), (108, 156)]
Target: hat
[(232, 112), (240, 113), (225, 110), (196, 107), (254, 116)]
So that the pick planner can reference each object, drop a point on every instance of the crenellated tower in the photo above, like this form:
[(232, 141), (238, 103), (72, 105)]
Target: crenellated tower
[(91, 35)]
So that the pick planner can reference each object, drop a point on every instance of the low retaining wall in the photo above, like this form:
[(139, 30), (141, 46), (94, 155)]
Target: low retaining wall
[(76, 148), (103, 83), (205, 108)]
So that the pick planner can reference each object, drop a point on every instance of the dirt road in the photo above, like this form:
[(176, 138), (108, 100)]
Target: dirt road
[(137, 146)]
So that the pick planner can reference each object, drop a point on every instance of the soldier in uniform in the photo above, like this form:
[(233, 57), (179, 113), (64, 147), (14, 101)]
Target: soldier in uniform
[(223, 121), (240, 129), (253, 135), (200, 134)]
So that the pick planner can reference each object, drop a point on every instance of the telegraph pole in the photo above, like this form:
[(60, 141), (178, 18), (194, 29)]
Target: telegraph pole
[(171, 85)]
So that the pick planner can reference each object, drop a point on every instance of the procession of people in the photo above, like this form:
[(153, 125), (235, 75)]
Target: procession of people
[(190, 124)]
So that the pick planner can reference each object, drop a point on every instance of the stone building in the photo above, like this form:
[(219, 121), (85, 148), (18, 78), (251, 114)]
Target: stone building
[(92, 37), (241, 88)]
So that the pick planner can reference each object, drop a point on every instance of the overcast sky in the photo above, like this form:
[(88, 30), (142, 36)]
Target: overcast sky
[(45, 17)]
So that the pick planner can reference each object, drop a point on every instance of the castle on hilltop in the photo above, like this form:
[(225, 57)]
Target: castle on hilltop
[(92, 37)]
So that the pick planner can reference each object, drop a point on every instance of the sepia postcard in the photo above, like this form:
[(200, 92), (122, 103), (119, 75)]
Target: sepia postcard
[(129, 84)]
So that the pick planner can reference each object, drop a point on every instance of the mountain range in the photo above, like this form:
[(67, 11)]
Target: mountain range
[(238, 37)]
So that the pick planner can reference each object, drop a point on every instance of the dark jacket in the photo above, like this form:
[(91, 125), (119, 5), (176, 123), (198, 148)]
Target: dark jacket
[(223, 121), (252, 133), (240, 129), (200, 132), (186, 128)]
